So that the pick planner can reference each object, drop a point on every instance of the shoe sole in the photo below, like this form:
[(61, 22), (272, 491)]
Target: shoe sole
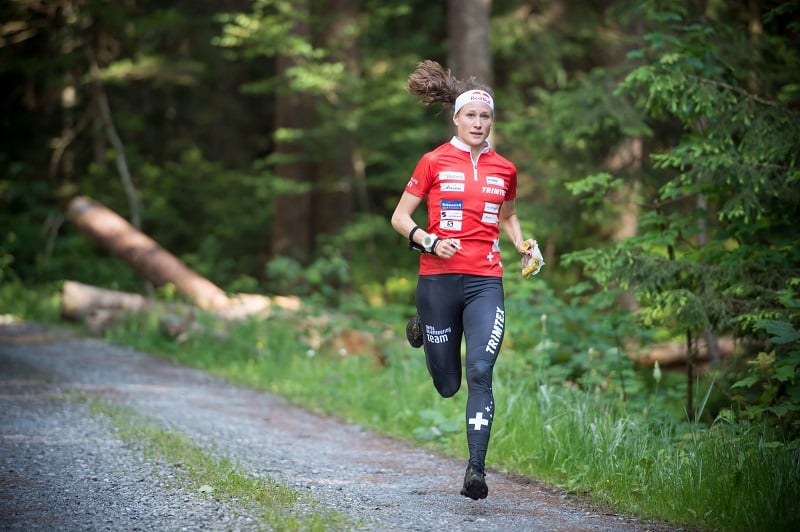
[(414, 334)]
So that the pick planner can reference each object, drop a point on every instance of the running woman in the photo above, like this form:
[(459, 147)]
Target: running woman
[(470, 191)]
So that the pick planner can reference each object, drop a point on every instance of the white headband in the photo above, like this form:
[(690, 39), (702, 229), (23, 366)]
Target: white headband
[(473, 96)]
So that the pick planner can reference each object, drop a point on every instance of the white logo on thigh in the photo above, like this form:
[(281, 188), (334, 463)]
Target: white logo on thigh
[(478, 421), (437, 336)]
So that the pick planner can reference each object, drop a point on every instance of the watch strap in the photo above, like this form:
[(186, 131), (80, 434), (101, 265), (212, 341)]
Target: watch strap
[(413, 246), (433, 247)]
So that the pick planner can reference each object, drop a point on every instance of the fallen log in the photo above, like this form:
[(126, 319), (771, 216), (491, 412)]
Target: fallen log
[(80, 301), (671, 354), (100, 307), (143, 254)]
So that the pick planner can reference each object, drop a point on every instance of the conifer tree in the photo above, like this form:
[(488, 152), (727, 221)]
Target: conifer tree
[(717, 242)]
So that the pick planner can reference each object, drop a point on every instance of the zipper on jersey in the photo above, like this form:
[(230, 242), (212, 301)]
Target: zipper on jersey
[(474, 166)]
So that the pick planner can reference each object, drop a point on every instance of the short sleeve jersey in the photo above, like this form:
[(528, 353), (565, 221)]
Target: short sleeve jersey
[(464, 199)]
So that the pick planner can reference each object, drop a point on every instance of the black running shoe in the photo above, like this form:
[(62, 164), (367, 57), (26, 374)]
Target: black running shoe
[(414, 331), (475, 483)]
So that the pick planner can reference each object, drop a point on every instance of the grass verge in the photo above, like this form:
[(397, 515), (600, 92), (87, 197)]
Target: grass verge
[(278, 506)]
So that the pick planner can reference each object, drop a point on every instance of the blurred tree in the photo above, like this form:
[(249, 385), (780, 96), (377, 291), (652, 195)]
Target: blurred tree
[(294, 213), (468, 34), (716, 247)]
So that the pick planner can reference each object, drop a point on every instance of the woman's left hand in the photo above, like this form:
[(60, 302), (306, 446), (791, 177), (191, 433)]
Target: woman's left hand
[(447, 247)]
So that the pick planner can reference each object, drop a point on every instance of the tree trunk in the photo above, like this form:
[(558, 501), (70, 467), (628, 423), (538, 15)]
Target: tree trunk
[(712, 340), (337, 174), (143, 254), (292, 224), (468, 32), (626, 160)]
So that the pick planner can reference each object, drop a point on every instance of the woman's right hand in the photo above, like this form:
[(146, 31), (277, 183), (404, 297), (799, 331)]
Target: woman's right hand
[(526, 249)]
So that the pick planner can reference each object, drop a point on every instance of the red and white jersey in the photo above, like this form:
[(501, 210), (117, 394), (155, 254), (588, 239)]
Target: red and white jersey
[(464, 199)]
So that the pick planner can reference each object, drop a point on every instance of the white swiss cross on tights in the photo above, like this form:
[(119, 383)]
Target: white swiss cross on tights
[(478, 421)]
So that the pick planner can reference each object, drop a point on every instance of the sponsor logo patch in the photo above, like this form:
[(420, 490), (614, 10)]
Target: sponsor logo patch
[(453, 187), (452, 215), (493, 180), (498, 329), (439, 336), (493, 191), (450, 225), (451, 176), (481, 96)]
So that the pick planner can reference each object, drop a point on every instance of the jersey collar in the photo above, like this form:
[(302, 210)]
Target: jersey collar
[(463, 146)]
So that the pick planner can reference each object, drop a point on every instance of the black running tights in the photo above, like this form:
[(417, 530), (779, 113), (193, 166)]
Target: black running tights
[(450, 307)]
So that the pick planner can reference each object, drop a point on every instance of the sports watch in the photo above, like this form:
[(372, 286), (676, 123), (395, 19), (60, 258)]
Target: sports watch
[(429, 242)]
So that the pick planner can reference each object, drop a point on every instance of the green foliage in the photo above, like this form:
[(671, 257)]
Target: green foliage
[(579, 343), (20, 302), (770, 383), (193, 209), (322, 281), (37, 245), (716, 250)]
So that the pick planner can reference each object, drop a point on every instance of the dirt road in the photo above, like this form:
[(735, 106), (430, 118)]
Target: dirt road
[(65, 469)]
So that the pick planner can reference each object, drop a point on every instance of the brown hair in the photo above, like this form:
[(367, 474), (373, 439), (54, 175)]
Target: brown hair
[(431, 83)]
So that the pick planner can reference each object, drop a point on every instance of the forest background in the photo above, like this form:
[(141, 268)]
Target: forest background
[(265, 143)]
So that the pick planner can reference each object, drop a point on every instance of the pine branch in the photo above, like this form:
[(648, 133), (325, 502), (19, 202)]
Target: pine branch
[(741, 92)]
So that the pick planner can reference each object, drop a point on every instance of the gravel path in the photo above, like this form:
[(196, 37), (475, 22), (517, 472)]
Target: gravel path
[(65, 469)]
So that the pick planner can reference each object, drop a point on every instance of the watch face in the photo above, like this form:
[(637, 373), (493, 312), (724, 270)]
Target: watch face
[(428, 241)]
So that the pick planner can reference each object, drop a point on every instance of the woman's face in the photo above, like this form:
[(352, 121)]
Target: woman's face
[(473, 123)]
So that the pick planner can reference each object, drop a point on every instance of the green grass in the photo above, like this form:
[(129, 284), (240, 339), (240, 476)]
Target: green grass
[(42, 304), (278, 506), (715, 478)]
